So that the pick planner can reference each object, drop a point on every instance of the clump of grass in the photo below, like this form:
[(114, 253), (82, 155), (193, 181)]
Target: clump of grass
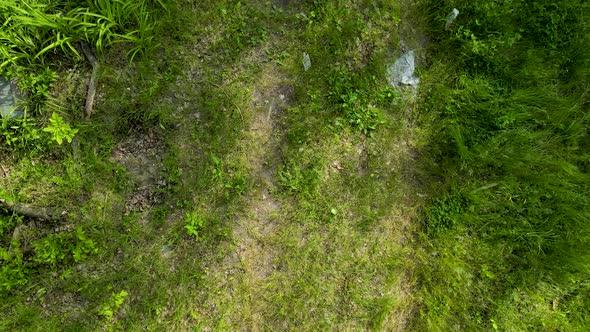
[(507, 237), (38, 33), (33, 28)]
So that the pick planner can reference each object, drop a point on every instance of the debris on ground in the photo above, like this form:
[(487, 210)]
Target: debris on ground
[(451, 17), (306, 61), (401, 72)]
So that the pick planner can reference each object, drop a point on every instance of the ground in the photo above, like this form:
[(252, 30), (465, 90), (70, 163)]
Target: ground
[(307, 221), (225, 183)]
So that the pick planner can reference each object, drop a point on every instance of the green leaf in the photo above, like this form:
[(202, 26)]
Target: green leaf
[(60, 130)]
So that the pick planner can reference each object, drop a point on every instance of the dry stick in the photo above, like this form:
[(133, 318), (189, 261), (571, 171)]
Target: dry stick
[(34, 212), (92, 85), (4, 172)]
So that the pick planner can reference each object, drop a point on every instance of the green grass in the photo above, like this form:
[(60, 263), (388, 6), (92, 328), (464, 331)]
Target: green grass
[(219, 186), (505, 239)]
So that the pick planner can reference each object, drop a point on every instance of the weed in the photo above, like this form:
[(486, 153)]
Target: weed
[(217, 169), (193, 224), (52, 250), (112, 305), (299, 180), (83, 246), (60, 130), (360, 99), (233, 183), (243, 27), (13, 271), (21, 135), (35, 84), (444, 213), (57, 248), (277, 56)]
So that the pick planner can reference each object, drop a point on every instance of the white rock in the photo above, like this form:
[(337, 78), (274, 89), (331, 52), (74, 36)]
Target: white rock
[(401, 72), (451, 17)]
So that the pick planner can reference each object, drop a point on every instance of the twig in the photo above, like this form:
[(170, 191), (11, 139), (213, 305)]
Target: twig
[(34, 212), (4, 171), (92, 85)]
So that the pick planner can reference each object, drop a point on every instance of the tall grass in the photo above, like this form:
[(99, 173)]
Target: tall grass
[(507, 236), (38, 34), (33, 28)]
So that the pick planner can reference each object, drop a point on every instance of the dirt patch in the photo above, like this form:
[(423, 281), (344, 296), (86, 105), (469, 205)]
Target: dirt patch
[(258, 223), (242, 275), (142, 154)]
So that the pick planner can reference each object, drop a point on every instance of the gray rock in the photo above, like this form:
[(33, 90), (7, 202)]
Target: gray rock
[(306, 61), (8, 100), (401, 72)]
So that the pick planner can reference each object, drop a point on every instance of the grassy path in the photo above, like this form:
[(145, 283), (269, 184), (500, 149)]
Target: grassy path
[(241, 276), (323, 237)]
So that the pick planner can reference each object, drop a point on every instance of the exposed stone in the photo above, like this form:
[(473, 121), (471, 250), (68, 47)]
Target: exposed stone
[(8, 99)]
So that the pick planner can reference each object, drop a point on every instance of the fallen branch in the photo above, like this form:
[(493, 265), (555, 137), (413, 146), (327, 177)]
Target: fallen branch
[(29, 211), (92, 85)]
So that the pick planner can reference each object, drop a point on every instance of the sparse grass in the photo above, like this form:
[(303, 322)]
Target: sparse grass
[(333, 251)]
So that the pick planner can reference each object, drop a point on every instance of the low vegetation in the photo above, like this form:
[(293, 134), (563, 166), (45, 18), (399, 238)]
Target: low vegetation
[(505, 238), (221, 185)]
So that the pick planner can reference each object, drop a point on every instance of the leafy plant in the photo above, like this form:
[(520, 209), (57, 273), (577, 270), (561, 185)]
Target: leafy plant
[(21, 134), (193, 224), (52, 250), (13, 271), (237, 184), (57, 248), (35, 84), (60, 130), (113, 304), (83, 246), (217, 169)]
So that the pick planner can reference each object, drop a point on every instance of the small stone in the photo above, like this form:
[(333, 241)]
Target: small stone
[(8, 99), (306, 61)]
